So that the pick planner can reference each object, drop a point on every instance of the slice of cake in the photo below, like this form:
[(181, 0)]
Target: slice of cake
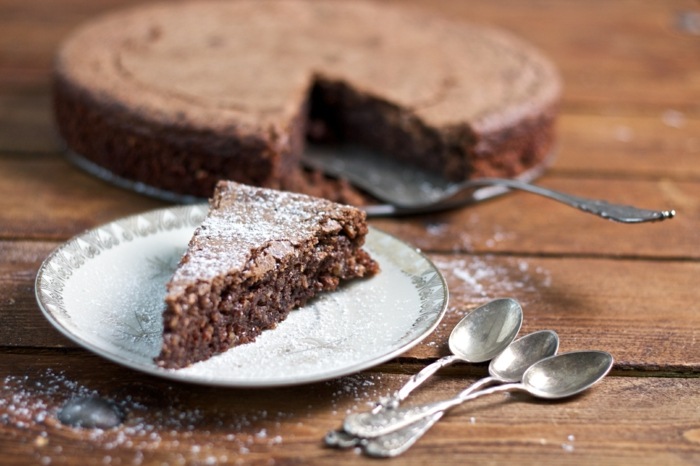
[(259, 254)]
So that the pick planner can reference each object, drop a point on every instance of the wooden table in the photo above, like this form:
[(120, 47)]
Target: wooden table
[(629, 132)]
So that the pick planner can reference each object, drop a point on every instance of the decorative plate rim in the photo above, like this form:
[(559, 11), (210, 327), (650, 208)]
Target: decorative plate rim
[(56, 270)]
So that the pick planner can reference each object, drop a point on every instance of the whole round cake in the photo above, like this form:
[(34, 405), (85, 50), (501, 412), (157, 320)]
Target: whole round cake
[(174, 97)]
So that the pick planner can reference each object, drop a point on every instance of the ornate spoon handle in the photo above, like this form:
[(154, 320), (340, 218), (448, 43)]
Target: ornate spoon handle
[(371, 425), (341, 439), (414, 382), (601, 208), (396, 443), (454, 197)]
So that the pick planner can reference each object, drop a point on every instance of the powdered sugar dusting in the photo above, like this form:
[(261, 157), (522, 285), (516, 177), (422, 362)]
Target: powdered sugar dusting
[(251, 218), (357, 322), (191, 434), (479, 279)]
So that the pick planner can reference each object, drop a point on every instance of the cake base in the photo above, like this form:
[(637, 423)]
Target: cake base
[(385, 171)]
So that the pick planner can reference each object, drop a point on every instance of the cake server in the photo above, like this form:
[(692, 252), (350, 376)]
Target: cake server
[(408, 191)]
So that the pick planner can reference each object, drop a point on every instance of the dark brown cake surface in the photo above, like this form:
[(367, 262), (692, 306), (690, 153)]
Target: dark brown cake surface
[(258, 254), (180, 95)]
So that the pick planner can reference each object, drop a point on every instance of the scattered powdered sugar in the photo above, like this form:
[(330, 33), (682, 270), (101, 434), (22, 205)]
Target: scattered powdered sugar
[(189, 434), (568, 446), (498, 237), (479, 279), (673, 118), (487, 277), (362, 389), (251, 217), (624, 133), (31, 404), (688, 21)]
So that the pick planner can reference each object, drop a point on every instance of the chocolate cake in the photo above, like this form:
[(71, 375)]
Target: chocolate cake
[(179, 95), (258, 254)]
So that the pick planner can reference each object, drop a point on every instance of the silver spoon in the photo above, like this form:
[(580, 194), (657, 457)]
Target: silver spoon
[(478, 337), (509, 366), (551, 378), (408, 191)]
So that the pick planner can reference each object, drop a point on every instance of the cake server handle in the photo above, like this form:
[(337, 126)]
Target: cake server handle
[(458, 195)]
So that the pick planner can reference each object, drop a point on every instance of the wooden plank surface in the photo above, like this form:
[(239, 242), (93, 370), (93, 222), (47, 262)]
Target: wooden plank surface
[(524, 223), (661, 146), (618, 57), (629, 132), (64, 200), (622, 420)]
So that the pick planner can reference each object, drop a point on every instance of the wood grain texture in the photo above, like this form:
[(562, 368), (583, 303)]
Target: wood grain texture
[(523, 223), (66, 201), (635, 309), (629, 57), (662, 146), (621, 420), (63, 200), (26, 119)]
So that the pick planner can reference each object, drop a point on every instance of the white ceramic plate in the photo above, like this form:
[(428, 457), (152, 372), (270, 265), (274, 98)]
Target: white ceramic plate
[(104, 289)]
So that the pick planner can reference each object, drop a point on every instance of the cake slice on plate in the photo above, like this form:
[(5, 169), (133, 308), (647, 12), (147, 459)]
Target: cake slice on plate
[(259, 254)]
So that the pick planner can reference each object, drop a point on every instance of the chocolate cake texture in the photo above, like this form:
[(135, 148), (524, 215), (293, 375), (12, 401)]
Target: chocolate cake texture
[(179, 95), (258, 254)]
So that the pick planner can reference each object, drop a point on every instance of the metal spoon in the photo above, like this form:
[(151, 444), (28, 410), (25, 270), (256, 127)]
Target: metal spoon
[(509, 366), (551, 378), (408, 191), (478, 337)]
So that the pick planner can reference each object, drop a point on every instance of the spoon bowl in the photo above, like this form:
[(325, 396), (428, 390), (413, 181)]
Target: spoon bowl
[(479, 336), (511, 364), (486, 331), (567, 374)]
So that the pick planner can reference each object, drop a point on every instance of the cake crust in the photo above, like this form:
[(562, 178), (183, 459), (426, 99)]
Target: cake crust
[(178, 96), (259, 254)]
